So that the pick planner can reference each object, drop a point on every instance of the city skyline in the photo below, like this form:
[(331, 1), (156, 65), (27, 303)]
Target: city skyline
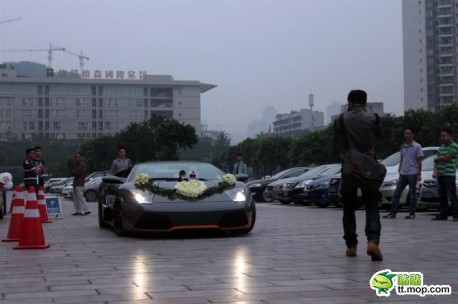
[(259, 53)]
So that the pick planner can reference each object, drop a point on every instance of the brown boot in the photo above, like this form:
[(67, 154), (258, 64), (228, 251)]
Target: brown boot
[(351, 252), (374, 251)]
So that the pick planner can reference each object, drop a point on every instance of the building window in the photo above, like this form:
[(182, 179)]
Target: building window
[(83, 125), (56, 125), (57, 113)]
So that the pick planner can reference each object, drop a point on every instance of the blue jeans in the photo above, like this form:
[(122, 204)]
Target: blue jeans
[(370, 193), (404, 181)]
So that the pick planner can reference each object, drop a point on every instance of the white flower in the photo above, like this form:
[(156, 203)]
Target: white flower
[(228, 179), (192, 189), (141, 180)]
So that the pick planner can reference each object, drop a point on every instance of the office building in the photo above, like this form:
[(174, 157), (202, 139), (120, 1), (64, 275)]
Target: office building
[(298, 122), (75, 106)]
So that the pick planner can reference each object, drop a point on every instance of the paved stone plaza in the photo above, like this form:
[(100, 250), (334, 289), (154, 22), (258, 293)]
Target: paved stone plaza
[(294, 254)]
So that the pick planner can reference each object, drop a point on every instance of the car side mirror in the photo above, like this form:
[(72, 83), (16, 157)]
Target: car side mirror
[(242, 178)]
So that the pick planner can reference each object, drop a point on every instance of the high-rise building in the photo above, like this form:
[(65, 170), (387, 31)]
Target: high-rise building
[(75, 108), (331, 111), (263, 125), (430, 49)]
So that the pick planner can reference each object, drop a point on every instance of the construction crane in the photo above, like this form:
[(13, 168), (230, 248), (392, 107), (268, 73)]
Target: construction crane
[(80, 56), (10, 20), (50, 50)]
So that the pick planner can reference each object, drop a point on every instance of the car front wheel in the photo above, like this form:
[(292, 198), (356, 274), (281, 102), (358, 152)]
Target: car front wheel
[(90, 195), (253, 221), (102, 223)]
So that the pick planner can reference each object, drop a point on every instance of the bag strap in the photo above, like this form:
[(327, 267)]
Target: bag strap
[(344, 133)]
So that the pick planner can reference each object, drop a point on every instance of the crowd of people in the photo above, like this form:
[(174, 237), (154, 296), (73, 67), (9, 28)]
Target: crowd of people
[(357, 130), (35, 169)]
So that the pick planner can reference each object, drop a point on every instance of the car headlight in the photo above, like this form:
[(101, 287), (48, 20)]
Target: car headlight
[(321, 185), (142, 197), (237, 194), (303, 184), (391, 183), (289, 185), (255, 185)]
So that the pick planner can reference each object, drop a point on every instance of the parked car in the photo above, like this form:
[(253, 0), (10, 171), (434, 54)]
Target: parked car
[(52, 181), (67, 191), (391, 180), (258, 187), (91, 189), (315, 189), (317, 192), (392, 165), (285, 189), (97, 174), (429, 193), (58, 187), (392, 162)]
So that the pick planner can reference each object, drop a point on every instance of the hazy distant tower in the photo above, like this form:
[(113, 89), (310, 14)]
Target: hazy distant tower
[(311, 104)]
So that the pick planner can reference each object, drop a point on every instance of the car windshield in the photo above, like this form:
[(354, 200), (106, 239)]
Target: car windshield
[(392, 160), (170, 170), (315, 171), (331, 171), (281, 173)]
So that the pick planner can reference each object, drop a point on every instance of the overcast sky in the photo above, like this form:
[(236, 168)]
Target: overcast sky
[(259, 53)]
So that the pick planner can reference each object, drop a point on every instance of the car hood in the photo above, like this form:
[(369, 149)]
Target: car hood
[(287, 180), (296, 180), (126, 189), (261, 181), (320, 180)]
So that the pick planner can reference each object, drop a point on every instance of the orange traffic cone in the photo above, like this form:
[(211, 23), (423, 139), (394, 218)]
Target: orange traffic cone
[(17, 213), (31, 236), (42, 206)]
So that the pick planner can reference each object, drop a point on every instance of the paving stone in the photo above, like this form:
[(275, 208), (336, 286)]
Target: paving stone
[(294, 255)]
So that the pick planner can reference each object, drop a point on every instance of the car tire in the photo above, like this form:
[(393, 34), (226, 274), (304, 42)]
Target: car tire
[(258, 197), (118, 224), (266, 199), (253, 221), (323, 204), (102, 223), (285, 202), (90, 195)]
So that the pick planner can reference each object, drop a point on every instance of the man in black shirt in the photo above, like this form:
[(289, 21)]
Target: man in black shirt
[(40, 164), (359, 131), (31, 170)]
